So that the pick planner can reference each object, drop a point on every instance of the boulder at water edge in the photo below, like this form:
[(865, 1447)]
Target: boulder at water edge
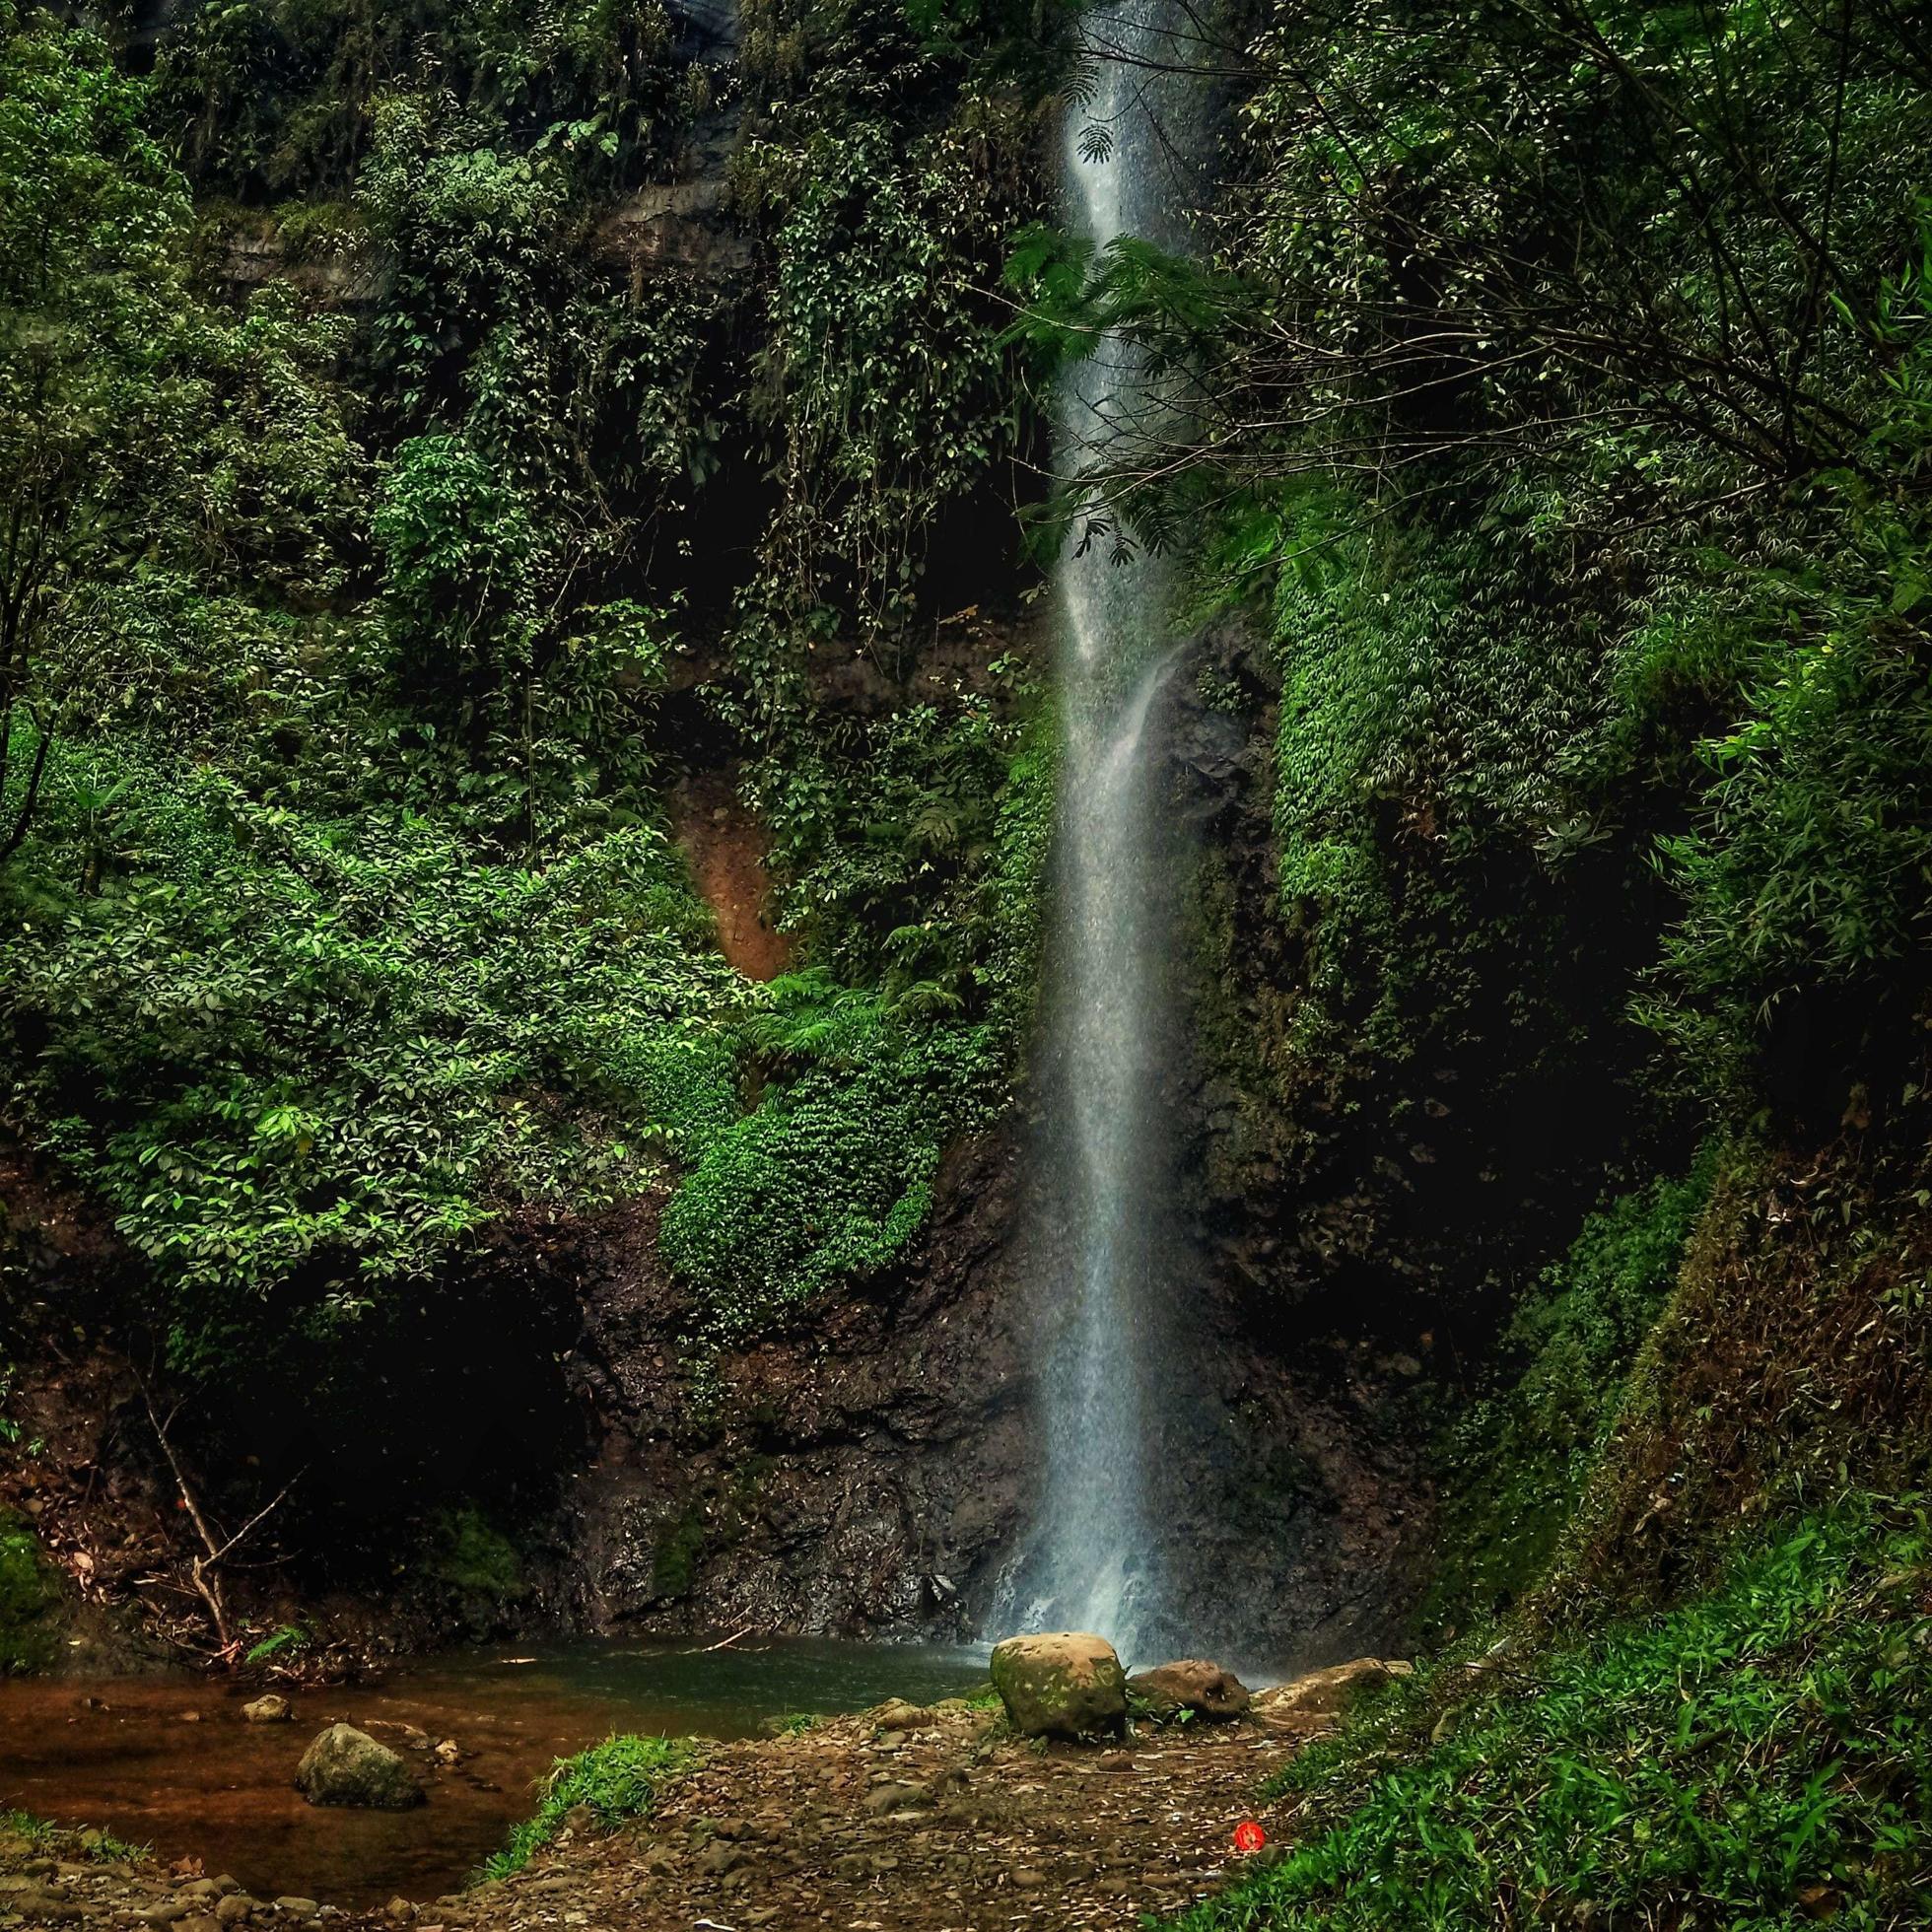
[(1329, 1692), (268, 1709), (1068, 1684), (346, 1767), (1194, 1686)]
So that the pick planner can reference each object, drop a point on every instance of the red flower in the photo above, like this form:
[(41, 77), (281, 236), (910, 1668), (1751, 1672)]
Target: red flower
[(1249, 1837)]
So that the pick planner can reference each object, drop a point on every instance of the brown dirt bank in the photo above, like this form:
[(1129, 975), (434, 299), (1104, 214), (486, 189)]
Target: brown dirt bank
[(948, 1824)]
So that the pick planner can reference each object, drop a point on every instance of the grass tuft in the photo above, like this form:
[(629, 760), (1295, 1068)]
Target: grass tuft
[(617, 1780)]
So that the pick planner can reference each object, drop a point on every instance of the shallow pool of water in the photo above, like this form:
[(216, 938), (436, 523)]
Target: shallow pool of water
[(170, 1763)]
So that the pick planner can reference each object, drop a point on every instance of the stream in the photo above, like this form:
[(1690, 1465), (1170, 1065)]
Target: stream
[(170, 1763)]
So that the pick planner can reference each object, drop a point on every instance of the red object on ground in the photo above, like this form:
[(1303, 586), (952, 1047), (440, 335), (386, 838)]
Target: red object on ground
[(1249, 1837)]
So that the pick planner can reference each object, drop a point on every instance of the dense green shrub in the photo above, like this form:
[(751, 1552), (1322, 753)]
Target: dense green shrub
[(1807, 874), (286, 1049), (832, 1175)]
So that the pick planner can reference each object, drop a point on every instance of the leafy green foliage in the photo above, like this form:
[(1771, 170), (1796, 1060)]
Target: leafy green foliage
[(1755, 1758), (1574, 475), (1807, 872), (617, 1780), (1517, 1460), (139, 430), (284, 1640), (284, 1057), (831, 1176), (348, 922), (282, 95), (882, 367), (27, 1595)]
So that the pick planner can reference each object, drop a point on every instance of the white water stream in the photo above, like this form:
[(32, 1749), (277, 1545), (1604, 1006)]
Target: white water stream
[(1094, 1558)]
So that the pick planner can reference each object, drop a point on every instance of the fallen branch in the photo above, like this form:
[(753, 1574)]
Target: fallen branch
[(724, 1643), (204, 1570)]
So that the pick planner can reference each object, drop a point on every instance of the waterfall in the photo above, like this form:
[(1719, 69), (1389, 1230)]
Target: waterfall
[(1093, 1556)]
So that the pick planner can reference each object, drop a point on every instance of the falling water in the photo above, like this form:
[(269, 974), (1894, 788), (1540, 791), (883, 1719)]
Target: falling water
[(1093, 1560)]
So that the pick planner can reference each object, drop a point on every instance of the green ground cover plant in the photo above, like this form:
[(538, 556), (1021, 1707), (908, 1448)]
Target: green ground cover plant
[(1755, 1758), (616, 1781)]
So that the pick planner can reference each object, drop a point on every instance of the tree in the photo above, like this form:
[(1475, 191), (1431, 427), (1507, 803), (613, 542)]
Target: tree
[(90, 220)]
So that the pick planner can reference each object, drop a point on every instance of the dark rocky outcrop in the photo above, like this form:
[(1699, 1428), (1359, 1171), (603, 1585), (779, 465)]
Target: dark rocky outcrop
[(871, 1470)]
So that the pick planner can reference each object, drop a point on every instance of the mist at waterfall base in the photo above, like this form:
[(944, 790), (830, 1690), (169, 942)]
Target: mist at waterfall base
[(1107, 1262)]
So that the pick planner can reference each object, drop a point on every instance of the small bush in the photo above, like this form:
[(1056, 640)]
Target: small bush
[(45, 1836), (617, 1779)]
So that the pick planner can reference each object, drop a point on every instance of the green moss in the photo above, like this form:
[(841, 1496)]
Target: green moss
[(28, 1598), (1758, 1759), (616, 1780), (474, 1555), (1515, 1463), (674, 1555)]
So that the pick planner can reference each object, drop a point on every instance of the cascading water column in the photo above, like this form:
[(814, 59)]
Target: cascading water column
[(1093, 1560)]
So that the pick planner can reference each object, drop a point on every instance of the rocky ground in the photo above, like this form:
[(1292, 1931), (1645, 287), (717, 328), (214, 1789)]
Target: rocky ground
[(898, 1820)]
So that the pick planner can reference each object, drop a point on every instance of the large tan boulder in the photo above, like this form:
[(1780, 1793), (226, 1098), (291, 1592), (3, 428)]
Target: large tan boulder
[(347, 1767), (1194, 1686), (1330, 1692), (1068, 1684)]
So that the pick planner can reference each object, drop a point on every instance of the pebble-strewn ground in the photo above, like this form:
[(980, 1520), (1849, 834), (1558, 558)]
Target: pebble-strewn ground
[(931, 1822)]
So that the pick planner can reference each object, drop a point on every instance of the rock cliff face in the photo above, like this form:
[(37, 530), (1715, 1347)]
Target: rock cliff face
[(871, 1473), (871, 1470)]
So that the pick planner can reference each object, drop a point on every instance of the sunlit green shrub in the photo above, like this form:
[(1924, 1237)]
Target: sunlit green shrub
[(615, 1781)]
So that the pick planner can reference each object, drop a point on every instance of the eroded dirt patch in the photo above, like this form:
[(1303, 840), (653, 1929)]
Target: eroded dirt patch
[(726, 848)]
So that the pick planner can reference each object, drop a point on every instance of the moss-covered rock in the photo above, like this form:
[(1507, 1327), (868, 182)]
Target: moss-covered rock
[(1066, 1685), (28, 1598), (475, 1556), (347, 1767), (1192, 1687)]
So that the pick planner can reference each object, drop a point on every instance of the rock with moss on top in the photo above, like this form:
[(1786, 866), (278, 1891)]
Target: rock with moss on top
[(347, 1767), (1066, 1685), (1191, 1687)]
